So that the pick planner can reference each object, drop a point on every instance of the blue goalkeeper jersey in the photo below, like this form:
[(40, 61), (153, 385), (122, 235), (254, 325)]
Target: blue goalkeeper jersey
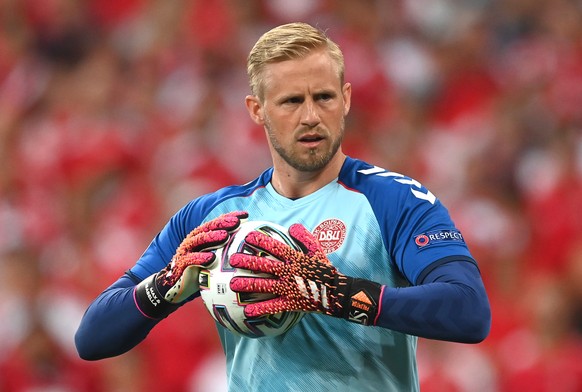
[(374, 224)]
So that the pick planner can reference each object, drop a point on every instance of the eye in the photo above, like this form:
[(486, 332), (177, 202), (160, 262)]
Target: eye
[(294, 100), (324, 97)]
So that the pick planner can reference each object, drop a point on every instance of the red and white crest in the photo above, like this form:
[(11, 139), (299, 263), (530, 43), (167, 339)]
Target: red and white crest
[(331, 234)]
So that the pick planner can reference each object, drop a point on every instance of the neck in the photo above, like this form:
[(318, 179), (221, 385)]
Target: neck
[(295, 184)]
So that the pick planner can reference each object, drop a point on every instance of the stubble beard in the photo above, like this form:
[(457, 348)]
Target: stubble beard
[(317, 159)]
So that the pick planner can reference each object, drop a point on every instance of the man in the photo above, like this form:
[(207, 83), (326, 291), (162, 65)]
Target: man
[(397, 268)]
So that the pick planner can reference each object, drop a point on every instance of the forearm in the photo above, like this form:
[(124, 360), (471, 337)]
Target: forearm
[(451, 305), (124, 314), (112, 324)]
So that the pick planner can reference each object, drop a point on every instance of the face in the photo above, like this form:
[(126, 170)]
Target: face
[(302, 110)]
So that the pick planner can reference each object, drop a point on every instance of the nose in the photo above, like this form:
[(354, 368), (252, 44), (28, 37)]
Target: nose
[(310, 115)]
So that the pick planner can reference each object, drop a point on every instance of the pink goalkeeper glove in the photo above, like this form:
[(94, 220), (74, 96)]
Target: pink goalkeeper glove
[(303, 281), (161, 293)]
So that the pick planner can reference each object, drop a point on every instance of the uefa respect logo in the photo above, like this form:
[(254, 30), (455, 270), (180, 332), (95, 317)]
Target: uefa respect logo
[(438, 236)]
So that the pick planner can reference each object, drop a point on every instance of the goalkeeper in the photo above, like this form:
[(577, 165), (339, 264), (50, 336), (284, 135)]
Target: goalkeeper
[(383, 263)]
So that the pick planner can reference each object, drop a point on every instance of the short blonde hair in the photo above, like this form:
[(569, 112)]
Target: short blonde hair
[(288, 42)]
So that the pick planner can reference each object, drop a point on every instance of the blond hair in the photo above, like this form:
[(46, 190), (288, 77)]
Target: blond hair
[(288, 42)]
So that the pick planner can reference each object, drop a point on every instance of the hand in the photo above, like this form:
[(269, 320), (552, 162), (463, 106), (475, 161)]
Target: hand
[(161, 293), (303, 281)]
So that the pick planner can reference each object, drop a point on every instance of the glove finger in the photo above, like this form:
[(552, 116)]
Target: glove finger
[(229, 222), (200, 259), (241, 284), (272, 246), (212, 234), (270, 306), (191, 259), (306, 241), (256, 263), (204, 240)]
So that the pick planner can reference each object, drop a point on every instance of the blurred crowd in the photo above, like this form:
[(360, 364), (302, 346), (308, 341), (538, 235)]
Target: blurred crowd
[(113, 114)]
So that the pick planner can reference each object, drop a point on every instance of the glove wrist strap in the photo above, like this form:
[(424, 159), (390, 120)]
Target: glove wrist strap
[(361, 301), (150, 301)]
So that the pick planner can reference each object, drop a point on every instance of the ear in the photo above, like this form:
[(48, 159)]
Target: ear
[(255, 109), (347, 94)]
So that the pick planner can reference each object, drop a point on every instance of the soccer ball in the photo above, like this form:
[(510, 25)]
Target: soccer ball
[(227, 306)]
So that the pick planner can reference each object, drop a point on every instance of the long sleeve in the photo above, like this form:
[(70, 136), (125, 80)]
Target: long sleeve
[(112, 324), (449, 304)]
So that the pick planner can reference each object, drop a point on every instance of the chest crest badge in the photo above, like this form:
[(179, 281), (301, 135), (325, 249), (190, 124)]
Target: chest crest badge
[(331, 234)]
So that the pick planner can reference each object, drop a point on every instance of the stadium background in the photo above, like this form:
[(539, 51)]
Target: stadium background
[(115, 113)]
